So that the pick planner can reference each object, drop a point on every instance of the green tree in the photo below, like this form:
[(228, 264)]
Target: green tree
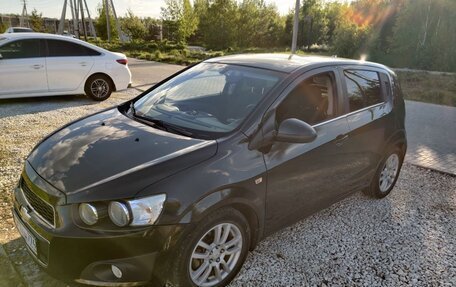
[(189, 21), (3, 27), (200, 8), (100, 24), (349, 39), (133, 26), (259, 25), (219, 25), (313, 23), (153, 28), (381, 16), (333, 12), (427, 43), (180, 19), (37, 22)]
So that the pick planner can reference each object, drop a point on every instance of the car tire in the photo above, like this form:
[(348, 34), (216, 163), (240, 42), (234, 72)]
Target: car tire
[(387, 173), (185, 268), (99, 87)]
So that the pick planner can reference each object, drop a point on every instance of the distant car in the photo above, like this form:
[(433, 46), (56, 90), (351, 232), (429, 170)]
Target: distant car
[(18, 30), (68, 34), (35, 64), (178, 184)]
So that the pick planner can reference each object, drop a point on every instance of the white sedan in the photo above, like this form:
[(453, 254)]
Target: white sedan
[(35, 64)]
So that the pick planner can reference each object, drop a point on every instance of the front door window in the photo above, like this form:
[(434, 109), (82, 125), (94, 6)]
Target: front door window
[(21, 49), (311, 101)]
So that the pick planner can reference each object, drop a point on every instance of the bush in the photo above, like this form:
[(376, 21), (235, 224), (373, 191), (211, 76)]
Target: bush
[(175, 53), (152, 46), (350, 40), (158, 55)]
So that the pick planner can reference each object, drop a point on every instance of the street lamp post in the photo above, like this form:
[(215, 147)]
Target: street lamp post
[(295, 28)]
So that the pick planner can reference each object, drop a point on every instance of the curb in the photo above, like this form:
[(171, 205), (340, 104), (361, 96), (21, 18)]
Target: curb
[(432, 169)]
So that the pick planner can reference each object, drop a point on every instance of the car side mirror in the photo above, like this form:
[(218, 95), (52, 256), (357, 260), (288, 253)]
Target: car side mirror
[(295, 131)]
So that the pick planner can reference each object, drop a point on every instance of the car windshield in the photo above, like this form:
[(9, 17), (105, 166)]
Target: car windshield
[(208, 98)]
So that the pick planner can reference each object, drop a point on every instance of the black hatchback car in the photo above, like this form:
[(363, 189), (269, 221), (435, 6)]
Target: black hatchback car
[(178, 184)]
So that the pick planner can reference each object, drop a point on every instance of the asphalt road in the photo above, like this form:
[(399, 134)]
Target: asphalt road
[(431, 133), (431, 129), (147, 73)]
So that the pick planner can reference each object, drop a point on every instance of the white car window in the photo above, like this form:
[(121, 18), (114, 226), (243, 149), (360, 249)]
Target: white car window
[(59, 48)]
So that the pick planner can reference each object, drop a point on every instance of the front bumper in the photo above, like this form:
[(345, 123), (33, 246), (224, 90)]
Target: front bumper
[(71, 253)]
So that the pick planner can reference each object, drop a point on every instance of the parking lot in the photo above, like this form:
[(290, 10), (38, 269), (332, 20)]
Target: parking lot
[(407, 239)]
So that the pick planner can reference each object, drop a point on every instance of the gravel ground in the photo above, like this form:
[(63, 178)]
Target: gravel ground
[(406, 239)]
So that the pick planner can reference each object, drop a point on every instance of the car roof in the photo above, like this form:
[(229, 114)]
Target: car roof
[(18, 36), (30, 35), (288, 63)]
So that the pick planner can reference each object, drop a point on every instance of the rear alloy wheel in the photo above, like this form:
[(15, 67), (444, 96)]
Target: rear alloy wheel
[(99, 87), (387, 173), (213, 251)]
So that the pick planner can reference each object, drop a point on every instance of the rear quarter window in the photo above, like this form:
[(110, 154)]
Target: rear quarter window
[(60, 48), (363, 88)]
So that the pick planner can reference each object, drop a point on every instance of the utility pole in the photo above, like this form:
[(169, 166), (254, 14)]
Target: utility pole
[(108, 22), (83, 20), (119, 31), (92, 27), (73, 19), (24, 14), (76, 12), (295, 29), (62, 18)]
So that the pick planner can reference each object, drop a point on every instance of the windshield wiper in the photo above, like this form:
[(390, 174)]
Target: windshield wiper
[(162, 125), (159, 123), (177, 129)]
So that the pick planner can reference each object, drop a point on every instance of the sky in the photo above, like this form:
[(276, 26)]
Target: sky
[(142, 8)]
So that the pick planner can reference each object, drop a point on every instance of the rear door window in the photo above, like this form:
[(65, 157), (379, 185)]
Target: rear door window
[(363, 88), (59, 48), (21, 49)]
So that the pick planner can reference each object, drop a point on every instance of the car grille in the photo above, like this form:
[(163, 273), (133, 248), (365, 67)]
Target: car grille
[(40, 206)]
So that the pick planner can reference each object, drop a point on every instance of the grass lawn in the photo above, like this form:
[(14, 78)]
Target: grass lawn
[(429, 87)]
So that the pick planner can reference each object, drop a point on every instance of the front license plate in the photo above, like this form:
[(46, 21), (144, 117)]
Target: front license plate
[(30, 240)]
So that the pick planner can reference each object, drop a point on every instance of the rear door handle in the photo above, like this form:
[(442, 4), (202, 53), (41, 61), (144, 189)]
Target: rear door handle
[(83, 64), (340, 139)]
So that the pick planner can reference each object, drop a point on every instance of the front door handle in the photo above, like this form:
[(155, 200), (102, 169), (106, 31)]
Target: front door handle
[(36, 67), (340, 139)]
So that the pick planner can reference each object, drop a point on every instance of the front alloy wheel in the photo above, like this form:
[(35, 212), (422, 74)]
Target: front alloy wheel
[(215, 255), (211, 251)]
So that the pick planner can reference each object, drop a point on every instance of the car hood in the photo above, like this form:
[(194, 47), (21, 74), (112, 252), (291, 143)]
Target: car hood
[(108, 155)]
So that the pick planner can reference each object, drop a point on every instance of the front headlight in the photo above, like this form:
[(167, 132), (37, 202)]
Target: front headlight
[(136, 212), (88, 213), (119, 213)]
